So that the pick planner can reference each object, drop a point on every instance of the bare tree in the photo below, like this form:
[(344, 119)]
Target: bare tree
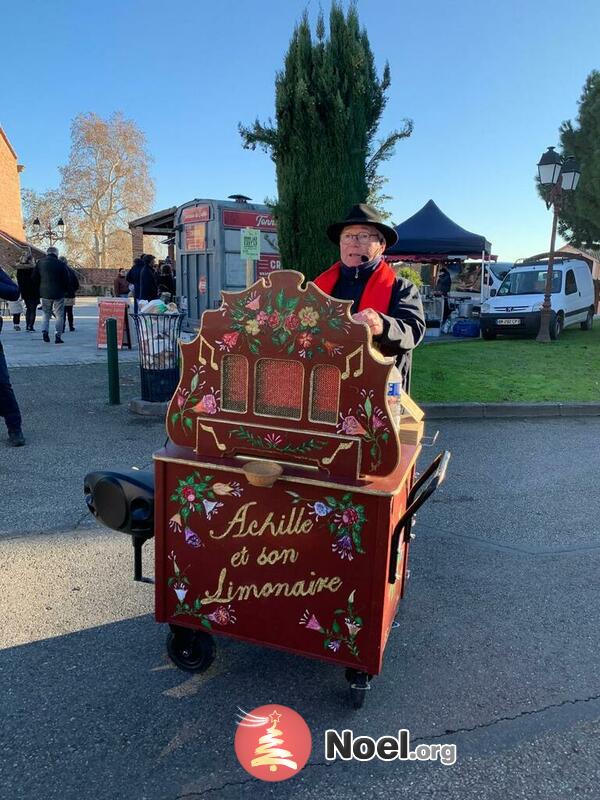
[(106, 182)]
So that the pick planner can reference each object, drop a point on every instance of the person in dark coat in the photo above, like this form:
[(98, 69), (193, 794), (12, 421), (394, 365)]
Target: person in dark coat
[(166, 281), (443, 286), (70, 295), (28, 288), (391, 306), (133, 278), (9, 408), (148, 280), (52, 277)]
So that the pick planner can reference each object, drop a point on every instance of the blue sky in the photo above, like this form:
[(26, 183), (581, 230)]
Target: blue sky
[(486, 82)]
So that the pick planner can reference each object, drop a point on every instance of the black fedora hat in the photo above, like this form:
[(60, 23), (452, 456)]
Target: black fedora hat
[(363, 214)]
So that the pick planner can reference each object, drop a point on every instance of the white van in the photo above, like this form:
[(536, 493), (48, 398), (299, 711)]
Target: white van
[(515, 308)]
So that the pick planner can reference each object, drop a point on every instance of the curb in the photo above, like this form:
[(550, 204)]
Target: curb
[(147, 409), (509, 410)]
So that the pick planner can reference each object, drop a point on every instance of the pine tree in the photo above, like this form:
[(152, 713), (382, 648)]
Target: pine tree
[(579, 219), (328, 104)]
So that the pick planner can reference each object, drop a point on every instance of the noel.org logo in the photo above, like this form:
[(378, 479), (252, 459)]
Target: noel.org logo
[(272, 743)]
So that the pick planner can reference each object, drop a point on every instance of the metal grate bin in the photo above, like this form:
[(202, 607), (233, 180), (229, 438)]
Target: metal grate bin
[(158, 341)]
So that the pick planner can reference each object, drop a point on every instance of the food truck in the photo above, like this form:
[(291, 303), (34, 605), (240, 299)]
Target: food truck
[(207, 247), (282, 502)]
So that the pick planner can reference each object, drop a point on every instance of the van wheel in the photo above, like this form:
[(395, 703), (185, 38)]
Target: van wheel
[(487, 334), (556, 327), (589, 323)]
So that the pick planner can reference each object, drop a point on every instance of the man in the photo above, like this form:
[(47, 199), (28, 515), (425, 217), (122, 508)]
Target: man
[(70, 295), (148, 279), (9, 408), (53, 279), (390, 306), (29, 289)]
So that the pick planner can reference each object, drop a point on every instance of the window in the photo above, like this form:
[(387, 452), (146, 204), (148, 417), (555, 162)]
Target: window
[(234, 388), (570, 282), (279, 386), (324, 394), (529, 282)]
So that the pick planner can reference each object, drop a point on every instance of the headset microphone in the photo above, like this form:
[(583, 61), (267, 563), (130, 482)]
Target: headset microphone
[(364, 259)]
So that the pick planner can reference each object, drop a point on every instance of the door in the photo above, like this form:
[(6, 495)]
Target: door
[(575, 311)]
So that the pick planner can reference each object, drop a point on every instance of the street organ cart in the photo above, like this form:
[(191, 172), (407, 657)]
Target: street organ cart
[(284, 495)]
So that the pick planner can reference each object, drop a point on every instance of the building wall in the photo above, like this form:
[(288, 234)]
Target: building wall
[(11, 215)]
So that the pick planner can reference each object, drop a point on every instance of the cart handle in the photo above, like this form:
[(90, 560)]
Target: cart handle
[(433, 477)]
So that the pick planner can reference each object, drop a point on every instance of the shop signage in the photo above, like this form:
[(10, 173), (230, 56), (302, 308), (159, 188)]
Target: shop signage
[(196, 214), (267, 263), (249, 219), (202, 284), (119, 309)]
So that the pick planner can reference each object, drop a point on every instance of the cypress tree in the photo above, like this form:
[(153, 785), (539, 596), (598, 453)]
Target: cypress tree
[(579, 218), (328, 104)]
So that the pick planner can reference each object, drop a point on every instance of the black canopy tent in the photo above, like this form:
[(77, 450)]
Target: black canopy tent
[(433, 236)]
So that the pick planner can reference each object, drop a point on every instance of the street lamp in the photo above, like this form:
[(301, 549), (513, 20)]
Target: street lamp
[(558, 176), (52, 234)]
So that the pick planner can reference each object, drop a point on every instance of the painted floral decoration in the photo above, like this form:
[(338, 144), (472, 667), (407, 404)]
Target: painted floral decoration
[(369, 422), (335, 636), (345, 520)]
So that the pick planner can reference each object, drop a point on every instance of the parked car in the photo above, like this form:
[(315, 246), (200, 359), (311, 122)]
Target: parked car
[(516, 306)]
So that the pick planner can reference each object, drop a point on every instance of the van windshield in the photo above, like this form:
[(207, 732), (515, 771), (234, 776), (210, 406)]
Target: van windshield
[(530, 282)]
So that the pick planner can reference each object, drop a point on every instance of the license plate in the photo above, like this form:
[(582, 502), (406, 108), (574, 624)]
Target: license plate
[(508, 321)]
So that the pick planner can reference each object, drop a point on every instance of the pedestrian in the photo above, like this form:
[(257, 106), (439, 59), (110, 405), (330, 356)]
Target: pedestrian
[(54, 282), (70, 295), (443, 286), (391, 306), (29, 289), (9, 408), (148, 279), (121, 285), (133, 278), (166, 281), (15, 307)]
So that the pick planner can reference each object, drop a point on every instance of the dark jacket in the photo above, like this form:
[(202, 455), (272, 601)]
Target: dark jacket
[(133, 277), (27, 284), (73, 283), (166, 283), (404, 323), (120, 286), (148, 284), (52, 277), (8, 288)]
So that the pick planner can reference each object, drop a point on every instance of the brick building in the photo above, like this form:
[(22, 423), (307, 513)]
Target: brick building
[(12, 232)]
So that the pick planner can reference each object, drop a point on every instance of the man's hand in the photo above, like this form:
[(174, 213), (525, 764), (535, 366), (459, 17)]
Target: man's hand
[(372, 319)]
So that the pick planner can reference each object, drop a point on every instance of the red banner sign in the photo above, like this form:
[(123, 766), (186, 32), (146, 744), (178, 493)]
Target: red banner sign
[(196, 214), (267, 263), (249, 219)]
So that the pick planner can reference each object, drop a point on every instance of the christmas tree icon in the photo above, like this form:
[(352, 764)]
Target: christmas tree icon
[(269, 753)]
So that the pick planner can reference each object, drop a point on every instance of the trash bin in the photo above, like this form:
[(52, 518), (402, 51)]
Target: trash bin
[(158, 336)]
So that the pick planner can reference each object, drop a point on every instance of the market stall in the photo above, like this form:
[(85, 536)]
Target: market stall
[(430, 237)]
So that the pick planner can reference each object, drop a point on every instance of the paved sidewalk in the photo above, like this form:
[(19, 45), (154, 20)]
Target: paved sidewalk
[(25, 349)]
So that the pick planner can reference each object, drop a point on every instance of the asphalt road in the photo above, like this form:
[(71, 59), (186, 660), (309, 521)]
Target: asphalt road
[(496, 648)]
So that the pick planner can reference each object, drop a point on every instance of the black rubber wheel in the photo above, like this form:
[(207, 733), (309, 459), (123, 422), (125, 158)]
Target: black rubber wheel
[(192, 651), (589, 323), (487, 334), (360, 683), (556, 327)]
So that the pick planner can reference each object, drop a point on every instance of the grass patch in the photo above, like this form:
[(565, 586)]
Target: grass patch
[(509, 370)]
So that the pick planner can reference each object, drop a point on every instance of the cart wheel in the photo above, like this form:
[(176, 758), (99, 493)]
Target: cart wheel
[(192, 651), (360, 684)]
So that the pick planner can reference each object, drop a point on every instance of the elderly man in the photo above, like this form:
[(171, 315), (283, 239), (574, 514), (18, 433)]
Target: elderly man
[(390, 306)]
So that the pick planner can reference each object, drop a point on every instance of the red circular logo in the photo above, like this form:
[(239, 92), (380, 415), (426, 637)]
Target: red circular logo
[(272, 743)]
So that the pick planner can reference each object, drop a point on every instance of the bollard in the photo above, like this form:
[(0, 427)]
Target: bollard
[(114, 395)]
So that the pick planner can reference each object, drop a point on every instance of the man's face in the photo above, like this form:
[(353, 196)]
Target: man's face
[(352, 249)]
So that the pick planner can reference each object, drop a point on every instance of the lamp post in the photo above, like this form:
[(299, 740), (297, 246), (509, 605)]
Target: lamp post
[(52, 234), (558, 176)]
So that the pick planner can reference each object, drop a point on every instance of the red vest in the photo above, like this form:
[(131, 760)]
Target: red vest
[(378, 289)]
